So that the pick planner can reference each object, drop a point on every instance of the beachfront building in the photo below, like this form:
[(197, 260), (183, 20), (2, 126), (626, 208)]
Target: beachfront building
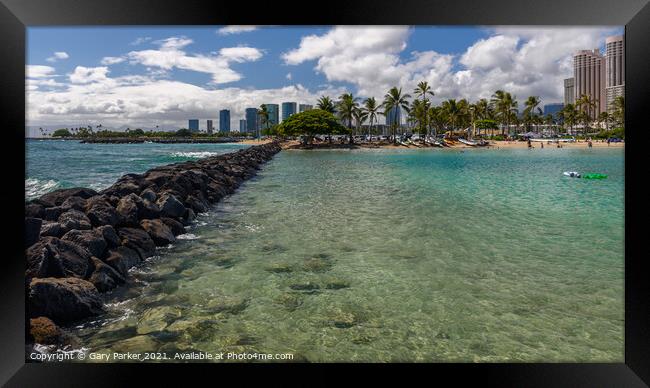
[(288, 109), (553, 109), (224, 120), (242, 125), (251, 120), (193, 125), (305, 107), (274, 114), (569, 91), (209, 127), (614, 69), (589, 76), (394, 117)]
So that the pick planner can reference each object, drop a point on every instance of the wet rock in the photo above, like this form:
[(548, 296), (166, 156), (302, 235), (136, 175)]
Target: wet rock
[(34, 210), (52, 229), (159, 232), (63, 300), (122, 259), (196, 204), (105, 277), (44, 331), (32, 230), (176, 227), (57, 197), (148, 209), (149, 195), (52, 257), (101, 212), (127, 207), (188, 217), (137, 344), (157, 318), (74, 202), (170, 206), (74, 219), (52, 213), (110, 235), (138, 240), (91, 240)]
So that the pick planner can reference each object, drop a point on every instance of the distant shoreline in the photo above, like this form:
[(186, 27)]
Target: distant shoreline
[(493, 144)]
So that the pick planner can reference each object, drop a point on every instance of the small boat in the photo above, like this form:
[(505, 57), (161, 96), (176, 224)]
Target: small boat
[(572, 174), (468, 142)]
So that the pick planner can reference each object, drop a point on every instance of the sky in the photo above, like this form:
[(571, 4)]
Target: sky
[(162, 76)]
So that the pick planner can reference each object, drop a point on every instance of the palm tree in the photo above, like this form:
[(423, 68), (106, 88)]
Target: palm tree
[(569, 115), (585, 103), (394, 99), (481, 110), (506, 106), (604, 117), (419, 114), (371, 109), (452, 112), (437, 118), (263, 113), (359, 115), (619, 110), (326, 104), (423, 90), (529, 111), (346, 105)]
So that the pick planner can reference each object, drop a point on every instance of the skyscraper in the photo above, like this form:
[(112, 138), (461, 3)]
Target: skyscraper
[(614, 69), (305, 107), (274, 115), (251, 120), (193, 125), (224, 120), (288, 109), (242, 125), (589, 75), (209, 127), (393, 117), (569, 91)]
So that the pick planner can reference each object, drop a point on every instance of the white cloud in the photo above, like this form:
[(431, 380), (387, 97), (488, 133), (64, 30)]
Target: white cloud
[(170, 56), (58, 55), (112, 60), (140, 40), (39, 71), (84, 75), (228, 30)]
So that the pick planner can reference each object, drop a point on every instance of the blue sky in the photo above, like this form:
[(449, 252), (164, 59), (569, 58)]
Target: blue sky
[(147, 76)]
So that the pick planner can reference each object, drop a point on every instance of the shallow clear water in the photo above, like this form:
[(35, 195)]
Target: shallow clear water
[(418, 255), (58, 164)]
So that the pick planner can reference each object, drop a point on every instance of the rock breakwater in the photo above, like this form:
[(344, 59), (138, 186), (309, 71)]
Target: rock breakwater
[(80, 243)]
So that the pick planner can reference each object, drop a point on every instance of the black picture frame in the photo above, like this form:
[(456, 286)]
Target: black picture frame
[(16, 15)]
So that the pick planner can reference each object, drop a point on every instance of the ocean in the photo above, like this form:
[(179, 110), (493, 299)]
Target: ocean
[(375, 255)]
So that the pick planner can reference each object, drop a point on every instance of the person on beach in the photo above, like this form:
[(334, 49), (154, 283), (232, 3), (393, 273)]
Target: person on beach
[(607, 142), (529, 144), (542, 145)]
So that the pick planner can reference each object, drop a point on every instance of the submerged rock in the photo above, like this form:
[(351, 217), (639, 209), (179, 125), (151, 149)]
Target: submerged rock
[(307, 286), (279, 268), (336, 284), (289, 301), (157, 318), (231, 305), (316, 265)]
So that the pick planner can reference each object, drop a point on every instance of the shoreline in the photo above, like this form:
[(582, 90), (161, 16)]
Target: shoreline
[(80, 243), (493, 144)]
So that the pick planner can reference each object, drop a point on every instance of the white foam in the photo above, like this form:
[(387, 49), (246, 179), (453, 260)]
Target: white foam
[(36, 187), (194, 155), (187, 236)]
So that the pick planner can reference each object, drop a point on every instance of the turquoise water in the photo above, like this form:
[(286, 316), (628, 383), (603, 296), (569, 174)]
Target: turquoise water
[(392, 255), (58, 164)]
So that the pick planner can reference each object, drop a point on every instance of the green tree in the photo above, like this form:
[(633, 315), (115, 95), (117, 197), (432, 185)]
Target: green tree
[(310, 123), (423, 90), (325, 103), (618, 112), (63, 132), (394, 99), (372, 109), (345, 107), (505, 106), (183, 132), (263, 114), (587, 105), (531, 112)]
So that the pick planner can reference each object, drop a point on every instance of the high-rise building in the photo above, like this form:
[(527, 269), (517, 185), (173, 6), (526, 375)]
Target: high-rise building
[(251, 120), (209, 127), (552, 109), (193, 125), (614, 69), (589, 75), (393, 117), (224, 120), (288, 109), (274, 115), (305, 107), (569, 91), (242, 125)]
